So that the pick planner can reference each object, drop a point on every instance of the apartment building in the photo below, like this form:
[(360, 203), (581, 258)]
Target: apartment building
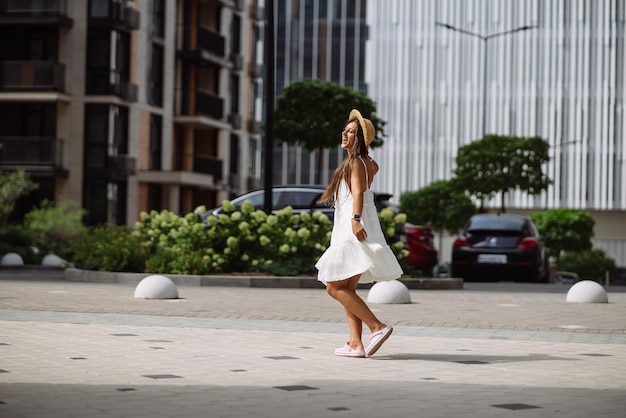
[(128, 106)]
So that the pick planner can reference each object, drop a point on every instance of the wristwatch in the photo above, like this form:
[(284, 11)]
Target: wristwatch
[(356, 218)]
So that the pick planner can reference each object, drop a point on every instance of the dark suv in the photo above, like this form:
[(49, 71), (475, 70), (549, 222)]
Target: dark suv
[(301, 198), (501, 247)]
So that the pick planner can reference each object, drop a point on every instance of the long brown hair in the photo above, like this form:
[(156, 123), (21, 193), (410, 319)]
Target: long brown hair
[(357, 149)]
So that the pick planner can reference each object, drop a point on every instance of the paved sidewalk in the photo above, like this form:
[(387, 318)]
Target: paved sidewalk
[(92, 350)]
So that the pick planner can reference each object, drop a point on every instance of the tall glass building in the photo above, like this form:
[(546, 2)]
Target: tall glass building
[(446, 72), (322, 40)]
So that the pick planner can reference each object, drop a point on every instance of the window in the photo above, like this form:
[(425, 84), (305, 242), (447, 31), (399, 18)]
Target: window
[(156, 142), (235, 42), (108, 57), (158, 19), (99, 8), (234, 154), (155, 82), (106, 134)]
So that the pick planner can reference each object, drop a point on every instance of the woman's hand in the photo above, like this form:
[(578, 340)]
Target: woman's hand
[(358, 230)]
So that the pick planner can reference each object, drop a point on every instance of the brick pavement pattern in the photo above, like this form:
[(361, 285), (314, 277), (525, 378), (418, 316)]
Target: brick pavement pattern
[(92, 350)]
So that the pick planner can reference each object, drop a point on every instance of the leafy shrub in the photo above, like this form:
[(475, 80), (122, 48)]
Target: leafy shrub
[(12, 187), (174, 244), (109, 248), (588, 264), (14, 238), (54, 227), (392, 224), (245, 240)]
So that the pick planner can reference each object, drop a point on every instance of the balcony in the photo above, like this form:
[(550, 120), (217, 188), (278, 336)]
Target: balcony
[(35, 12), (122, 166), (30, 76), (256, 70), (235, 120), (201, 164), (201, 103), (31, 151), (203, 45), (110, 83), (237, 60), (115, 14)]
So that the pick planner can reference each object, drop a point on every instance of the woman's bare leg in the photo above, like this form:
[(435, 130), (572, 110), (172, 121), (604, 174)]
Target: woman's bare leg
[(357, 310), (354, 323)]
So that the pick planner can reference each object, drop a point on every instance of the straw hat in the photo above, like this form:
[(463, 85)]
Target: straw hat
[(369, 132)]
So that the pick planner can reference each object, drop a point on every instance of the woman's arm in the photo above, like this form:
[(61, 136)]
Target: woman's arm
[(357, 187)]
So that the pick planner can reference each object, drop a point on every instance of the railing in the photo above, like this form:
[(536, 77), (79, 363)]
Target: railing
[(199, 164), (204, 103), (205, 39), (123, 165), (110, 82), (32, 75), (116, 12), (34, 6), (31, 151)]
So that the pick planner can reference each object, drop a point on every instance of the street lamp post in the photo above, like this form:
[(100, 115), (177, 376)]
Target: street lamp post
[(485, 38), (269, 106)]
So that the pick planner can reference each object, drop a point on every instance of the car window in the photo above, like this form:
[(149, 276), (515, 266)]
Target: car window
[(299, 199), (257, 198), (490, 223)]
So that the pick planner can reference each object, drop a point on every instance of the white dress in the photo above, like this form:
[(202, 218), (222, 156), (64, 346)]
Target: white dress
[(347, 256)]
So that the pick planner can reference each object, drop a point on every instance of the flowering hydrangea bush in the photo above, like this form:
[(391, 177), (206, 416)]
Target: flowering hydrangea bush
[(242, 241)]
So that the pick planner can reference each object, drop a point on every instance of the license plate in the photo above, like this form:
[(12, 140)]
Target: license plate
[(492, 258)]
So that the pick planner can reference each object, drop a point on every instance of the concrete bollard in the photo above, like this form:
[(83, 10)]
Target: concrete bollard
[(11, 260), (156, 287), (587, 291), (52, 260), (392, 291)]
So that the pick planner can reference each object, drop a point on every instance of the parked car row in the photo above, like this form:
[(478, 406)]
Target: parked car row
[(490, 246), (418, 239)]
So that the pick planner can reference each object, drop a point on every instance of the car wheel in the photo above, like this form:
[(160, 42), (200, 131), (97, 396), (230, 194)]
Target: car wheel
[(536, 276)]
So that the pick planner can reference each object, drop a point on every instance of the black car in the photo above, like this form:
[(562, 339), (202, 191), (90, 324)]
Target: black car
[(301, 198), (500, 247)]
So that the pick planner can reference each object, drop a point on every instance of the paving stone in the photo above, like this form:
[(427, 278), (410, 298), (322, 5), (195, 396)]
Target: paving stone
[(453, 353)]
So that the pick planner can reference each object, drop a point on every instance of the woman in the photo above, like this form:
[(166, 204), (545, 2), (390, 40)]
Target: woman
[(358, 251)]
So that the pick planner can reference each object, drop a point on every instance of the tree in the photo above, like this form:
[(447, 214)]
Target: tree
[(564, 230), (439, 206), (12, 187), (500, 164), (312, 113)]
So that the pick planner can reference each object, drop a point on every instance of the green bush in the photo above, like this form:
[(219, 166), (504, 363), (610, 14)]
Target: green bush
[(53, 227), (587, 264), (12, 187), (14, 238), (245, 241), (109, 248)]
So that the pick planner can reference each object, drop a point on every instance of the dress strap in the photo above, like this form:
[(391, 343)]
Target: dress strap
[(367, 176)]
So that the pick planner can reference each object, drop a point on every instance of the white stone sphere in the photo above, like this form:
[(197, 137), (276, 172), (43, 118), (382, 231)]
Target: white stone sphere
[(392, 291), (587, 291), (12, 259), (156, 287), (52, 260)]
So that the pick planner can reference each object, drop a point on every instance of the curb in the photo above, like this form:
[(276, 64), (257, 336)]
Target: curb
[(288, 282)]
